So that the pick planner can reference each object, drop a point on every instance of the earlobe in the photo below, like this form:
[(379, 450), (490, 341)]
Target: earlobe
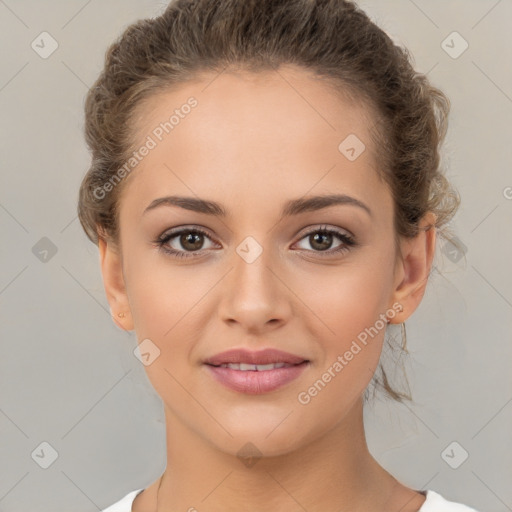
[(414, 268), (113, 281)]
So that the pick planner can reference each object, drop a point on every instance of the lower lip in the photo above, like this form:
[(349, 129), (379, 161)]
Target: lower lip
[(254, 382)]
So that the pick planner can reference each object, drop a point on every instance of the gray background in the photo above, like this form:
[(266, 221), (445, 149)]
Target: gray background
[(68, 376)]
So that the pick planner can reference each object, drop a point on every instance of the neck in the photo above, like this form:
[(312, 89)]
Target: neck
[(333, 472)]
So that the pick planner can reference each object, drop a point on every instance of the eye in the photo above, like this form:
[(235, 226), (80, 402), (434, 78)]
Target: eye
[(191, 240), (321, 240), (188, 239)]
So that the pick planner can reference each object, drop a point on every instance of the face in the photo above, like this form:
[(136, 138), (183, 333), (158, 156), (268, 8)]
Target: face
[(312, 282)]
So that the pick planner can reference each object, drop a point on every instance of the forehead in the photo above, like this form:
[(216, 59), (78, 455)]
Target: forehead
[(272, 133), (249, 103)]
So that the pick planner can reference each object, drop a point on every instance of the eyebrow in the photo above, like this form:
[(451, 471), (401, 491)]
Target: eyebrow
[(292, 207)]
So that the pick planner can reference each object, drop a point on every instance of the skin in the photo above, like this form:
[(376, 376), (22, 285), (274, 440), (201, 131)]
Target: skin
[(253, 142)]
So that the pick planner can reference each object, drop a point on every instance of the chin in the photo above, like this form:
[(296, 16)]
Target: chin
[(252, 448), (257, 438)]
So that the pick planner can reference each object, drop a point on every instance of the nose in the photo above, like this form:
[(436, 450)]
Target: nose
[(254, 295)]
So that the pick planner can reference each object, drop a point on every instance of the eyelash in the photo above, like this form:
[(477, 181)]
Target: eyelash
[(162, 240)]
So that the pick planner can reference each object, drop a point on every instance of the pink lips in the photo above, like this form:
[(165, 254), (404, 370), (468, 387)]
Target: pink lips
[(254, 381)]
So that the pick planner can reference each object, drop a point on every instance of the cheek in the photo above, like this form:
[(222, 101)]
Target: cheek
[(349, 307), (351, 338), (159, 292), (165, 308), (347, 301), (171, 306)]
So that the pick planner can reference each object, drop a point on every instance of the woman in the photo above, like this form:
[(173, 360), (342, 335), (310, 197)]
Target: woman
[(265, 193)]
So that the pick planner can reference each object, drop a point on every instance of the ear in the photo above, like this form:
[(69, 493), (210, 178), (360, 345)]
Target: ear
[(413, 268), (113, 282)]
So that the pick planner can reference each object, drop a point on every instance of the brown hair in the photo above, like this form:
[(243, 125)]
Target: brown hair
[(333, 39)]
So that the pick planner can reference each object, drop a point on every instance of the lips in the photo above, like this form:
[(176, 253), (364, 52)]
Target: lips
[(262, 357), (254, 373)]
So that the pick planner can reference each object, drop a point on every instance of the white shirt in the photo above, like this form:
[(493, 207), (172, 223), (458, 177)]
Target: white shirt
[(434, 503)]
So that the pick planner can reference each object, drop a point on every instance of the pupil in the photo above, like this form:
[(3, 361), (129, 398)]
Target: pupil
[(188, 238), (324, 246)]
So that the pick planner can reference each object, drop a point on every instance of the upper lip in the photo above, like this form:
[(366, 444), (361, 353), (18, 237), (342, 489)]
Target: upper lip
[(242, 355)]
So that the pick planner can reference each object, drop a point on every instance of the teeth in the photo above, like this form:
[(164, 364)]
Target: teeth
[(253, 367)]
